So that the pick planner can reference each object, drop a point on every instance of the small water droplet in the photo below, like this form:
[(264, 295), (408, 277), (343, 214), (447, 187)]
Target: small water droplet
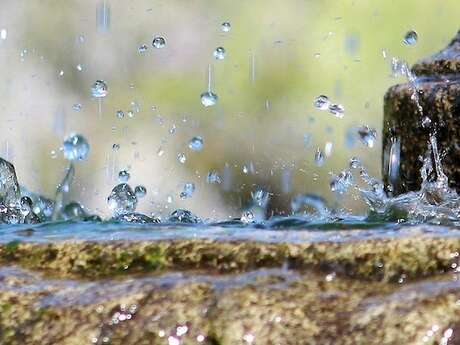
[(61, 73), (99, 89), (355, 163), (226, 27), (196, 143), (367, 136), (79, 67), (140, 191), (120, 114), (142, 48), (75, 147), (3, 34), (341, 182), (319, 157), (130, 114), (158, 42), (410, 38), (213, 177), (187, 190), (426, 122), (247, 217), (76, 107), (123, 176), (160, 151), (209, 98), (321, 102), (115, 147), (181, 158), (337, 110), (219, 53)]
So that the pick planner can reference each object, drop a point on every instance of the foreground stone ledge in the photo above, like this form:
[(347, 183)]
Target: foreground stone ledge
[(387, 260)]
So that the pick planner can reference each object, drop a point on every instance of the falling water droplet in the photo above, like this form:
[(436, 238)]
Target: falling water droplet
[(99, 89), (158, 42), (213, 177), (187, 190), (337, 110), (76, 107), (219, 53), (120, 114), (341, 182), (367, 136), (142, 48), (319, 157), (181, 158), (79, 67), (75, 148), (426, 122), (355, 163), (122, 199), (226, 26), (115, 147), (209, 98), (321, 102), (196, 144), (411, 38), (123, 176), (3, 34), (140, 191)]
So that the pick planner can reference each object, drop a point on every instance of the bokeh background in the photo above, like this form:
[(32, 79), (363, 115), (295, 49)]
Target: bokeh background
[(280, 56)]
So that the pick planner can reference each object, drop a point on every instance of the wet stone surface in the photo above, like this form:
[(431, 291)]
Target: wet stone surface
[(438, 91), (280, 287)]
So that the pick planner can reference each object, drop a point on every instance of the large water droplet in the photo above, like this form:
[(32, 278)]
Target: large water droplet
[(209, 98), (122, 199), (411, 38), (219, 53), (226, 26), (321, 102), (140, 191), (196, 144), (158, 42), (367, 136), (99, 89), (123, 176), (75, 147)]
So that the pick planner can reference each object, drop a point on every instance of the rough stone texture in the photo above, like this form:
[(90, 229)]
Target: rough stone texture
[(438, 83), (396, 290), (9, 187)]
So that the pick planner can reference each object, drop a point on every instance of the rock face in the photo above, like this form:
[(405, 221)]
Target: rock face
[(401, 289), (438, 85), (9, 187)]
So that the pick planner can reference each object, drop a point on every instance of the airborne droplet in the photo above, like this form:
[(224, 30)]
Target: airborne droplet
[(411, 38), (99, 89), (158, 42), (208, 98), (219, 53), (75, 147), (196, 144), (226, 27)]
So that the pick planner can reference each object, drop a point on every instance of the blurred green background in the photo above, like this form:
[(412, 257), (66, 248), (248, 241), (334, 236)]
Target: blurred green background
[(265, 115)]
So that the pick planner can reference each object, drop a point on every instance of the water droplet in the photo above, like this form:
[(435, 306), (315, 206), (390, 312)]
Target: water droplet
[(160, 151), (140, 191), (99, 89), (196, 144), (187, 190), (411, 38), (337, 110), (219, 53), (120, 114), (247, 217), (367, 136), (115, 147), (341, 182), (3, 34), (328, 149), (130, 114), (355, 163), (183, 216), (260, 197), (226, 26), (158, 42), (26, 205), (122, 199), (319, 157), (213, 177), (76, 107), (61, 73), (321, 102), (123, 176), (142, 48), (426, 122), (181, 158), (75, 147), (79, 67), (209, 98)]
